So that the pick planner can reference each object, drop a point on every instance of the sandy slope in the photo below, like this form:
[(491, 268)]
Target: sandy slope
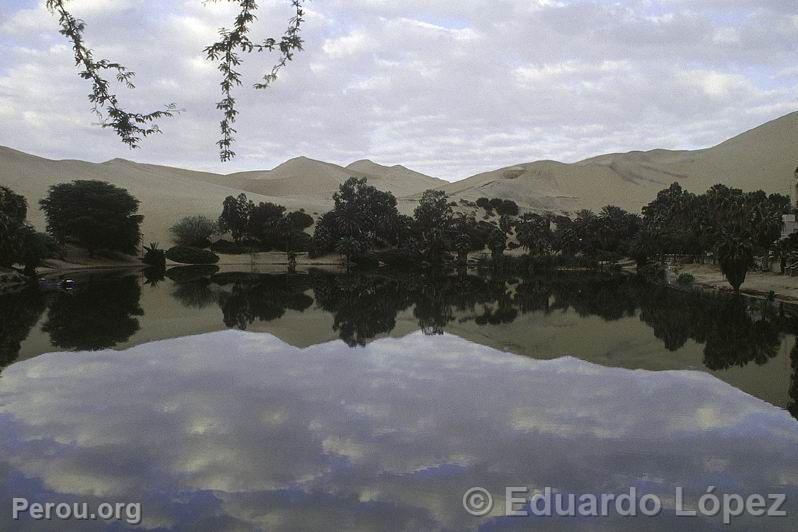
[(764, 157), (166, 193), (308, 178)]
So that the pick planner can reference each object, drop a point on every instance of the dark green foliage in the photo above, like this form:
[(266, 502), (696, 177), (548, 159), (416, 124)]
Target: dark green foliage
[(154, 256), (193, 231), (363, 306), (226, 52), (496, 204), (793, 406), (363, 218), (507, 208), (188, 255), (35, 248), (264, 227), (19, 313), (484, 203), (132, 127), (735, 256), (13, 210), (267, 225), (99, 314), (534, 234), (432, 226), (93, 214), (497, 243), (685, 279), (235, 216), (246, 298), (299, 220), (680, 222)]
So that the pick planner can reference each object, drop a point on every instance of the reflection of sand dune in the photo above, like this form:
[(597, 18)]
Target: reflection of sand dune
[(241, 431), (627, 342)]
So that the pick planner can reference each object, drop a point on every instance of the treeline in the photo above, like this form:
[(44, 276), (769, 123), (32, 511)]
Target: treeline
[(732, 226), (366, 228)]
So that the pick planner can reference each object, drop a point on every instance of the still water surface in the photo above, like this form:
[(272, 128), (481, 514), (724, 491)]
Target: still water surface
[(225, 401)]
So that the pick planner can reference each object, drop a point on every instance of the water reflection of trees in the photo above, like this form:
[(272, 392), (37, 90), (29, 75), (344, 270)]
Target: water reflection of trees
[(19, 313), (363, 307), (734, 331), (245, 298), (793, 406), (98, 314)]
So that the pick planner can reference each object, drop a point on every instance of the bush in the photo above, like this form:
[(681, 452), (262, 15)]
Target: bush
[(189, 255), (685, 279), (484, 203), (507, 207), (154, 256), (193, 231)]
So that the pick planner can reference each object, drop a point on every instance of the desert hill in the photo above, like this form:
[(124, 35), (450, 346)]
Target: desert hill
[(167, 193), (302, 177), (762, 158)]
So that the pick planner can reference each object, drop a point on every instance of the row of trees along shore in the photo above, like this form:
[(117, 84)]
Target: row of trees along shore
[(365, 227)]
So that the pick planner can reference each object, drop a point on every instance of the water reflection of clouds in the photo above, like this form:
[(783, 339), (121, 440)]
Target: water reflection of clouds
[(233, 429)]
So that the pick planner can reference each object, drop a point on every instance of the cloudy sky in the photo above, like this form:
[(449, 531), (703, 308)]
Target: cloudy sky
[(446, 87)]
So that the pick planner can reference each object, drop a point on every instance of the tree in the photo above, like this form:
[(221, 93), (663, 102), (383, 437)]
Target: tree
[(94, 214), (361, 213), (497, 243), (350, 248), (432, 223), (236, 213), (193, 231), (534, 234), (132, 127), (735, 255), (462, 245), (266, 224), (13, 210)]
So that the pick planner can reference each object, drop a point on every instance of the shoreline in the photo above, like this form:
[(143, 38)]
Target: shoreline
[(762, 285)]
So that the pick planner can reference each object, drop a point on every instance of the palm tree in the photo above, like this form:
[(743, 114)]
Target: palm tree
[(736, 255)]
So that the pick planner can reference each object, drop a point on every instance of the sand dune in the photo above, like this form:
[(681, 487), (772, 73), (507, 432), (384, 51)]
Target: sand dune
[(308, 178), (166, 193), (763, 158)]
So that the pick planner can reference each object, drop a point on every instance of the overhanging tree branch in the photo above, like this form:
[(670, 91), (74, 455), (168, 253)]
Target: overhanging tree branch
[(133, 127)]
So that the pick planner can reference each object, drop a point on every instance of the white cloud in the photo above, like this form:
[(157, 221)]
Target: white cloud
[(436, 85)]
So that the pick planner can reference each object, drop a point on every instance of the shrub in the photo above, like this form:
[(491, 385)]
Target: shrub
[(193, 231), (507, 207), (189, 255), (484, 203), (154, 256), (685, 279)]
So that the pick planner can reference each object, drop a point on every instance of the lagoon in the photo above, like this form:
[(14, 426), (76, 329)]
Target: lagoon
[(318, 401)]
